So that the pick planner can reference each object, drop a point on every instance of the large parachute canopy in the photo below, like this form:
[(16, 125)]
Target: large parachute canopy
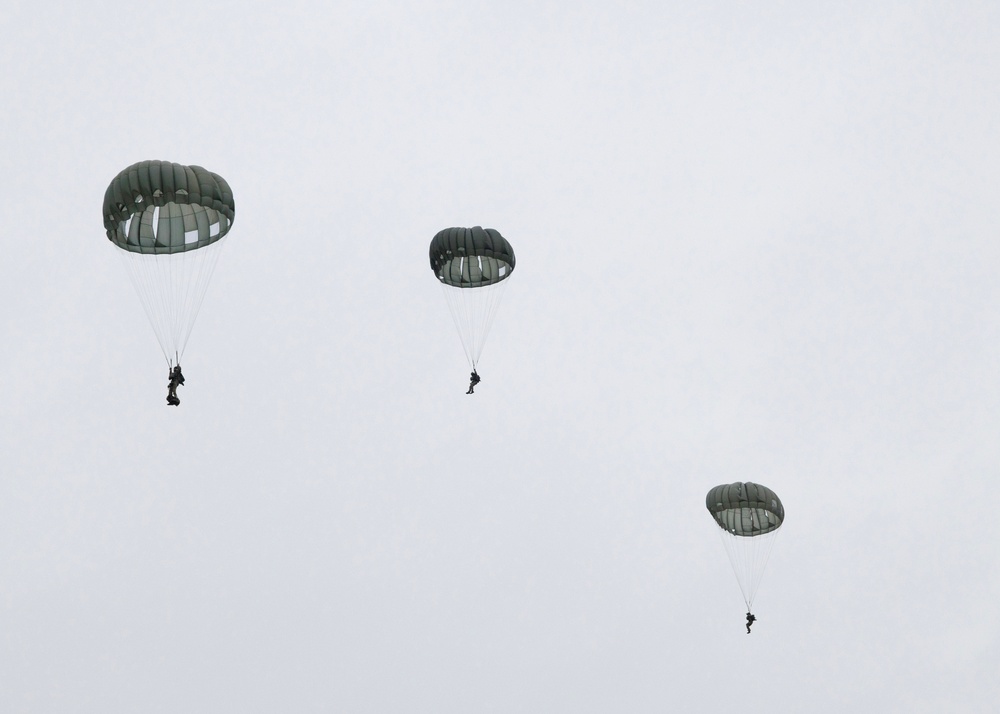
[(169, 222), (472, 265), (749, 516)]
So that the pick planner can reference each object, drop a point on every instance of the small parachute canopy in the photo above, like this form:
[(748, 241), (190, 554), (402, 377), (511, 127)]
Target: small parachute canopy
[(745, 509), (749, 516), (162, 208), (471, 257)]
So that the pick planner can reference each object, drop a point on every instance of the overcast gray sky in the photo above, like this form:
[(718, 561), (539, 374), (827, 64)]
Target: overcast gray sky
[(755, 242)]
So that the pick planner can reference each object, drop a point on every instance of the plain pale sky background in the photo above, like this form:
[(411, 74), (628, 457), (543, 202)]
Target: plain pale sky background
[(755, 241)]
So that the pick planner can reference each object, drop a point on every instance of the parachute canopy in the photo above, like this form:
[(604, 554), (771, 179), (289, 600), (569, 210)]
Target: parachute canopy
[(745, 509), (472, 265), (168, 222), (471, 257), (749, 516), (179, 208)]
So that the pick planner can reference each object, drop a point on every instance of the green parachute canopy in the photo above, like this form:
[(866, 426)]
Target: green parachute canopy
[(471, 257), (745, 509), (472, 266), (749, 516), (168, 222), (179, 208)]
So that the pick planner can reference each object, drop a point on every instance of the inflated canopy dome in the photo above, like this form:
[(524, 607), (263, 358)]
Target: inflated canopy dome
[(745, 509), (160, 207), (471, 257)]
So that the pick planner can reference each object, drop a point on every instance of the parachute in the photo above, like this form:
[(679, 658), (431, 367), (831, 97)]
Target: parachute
[(749, 516), (473, 265), (169, 223)]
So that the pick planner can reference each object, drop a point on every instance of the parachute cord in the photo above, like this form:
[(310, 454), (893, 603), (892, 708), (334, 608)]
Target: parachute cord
[(492, 308), (767, 548), (748, 556), (455, 309), (199, 287), (143, 283), (728, 542), (473, 311), (171, 295)]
